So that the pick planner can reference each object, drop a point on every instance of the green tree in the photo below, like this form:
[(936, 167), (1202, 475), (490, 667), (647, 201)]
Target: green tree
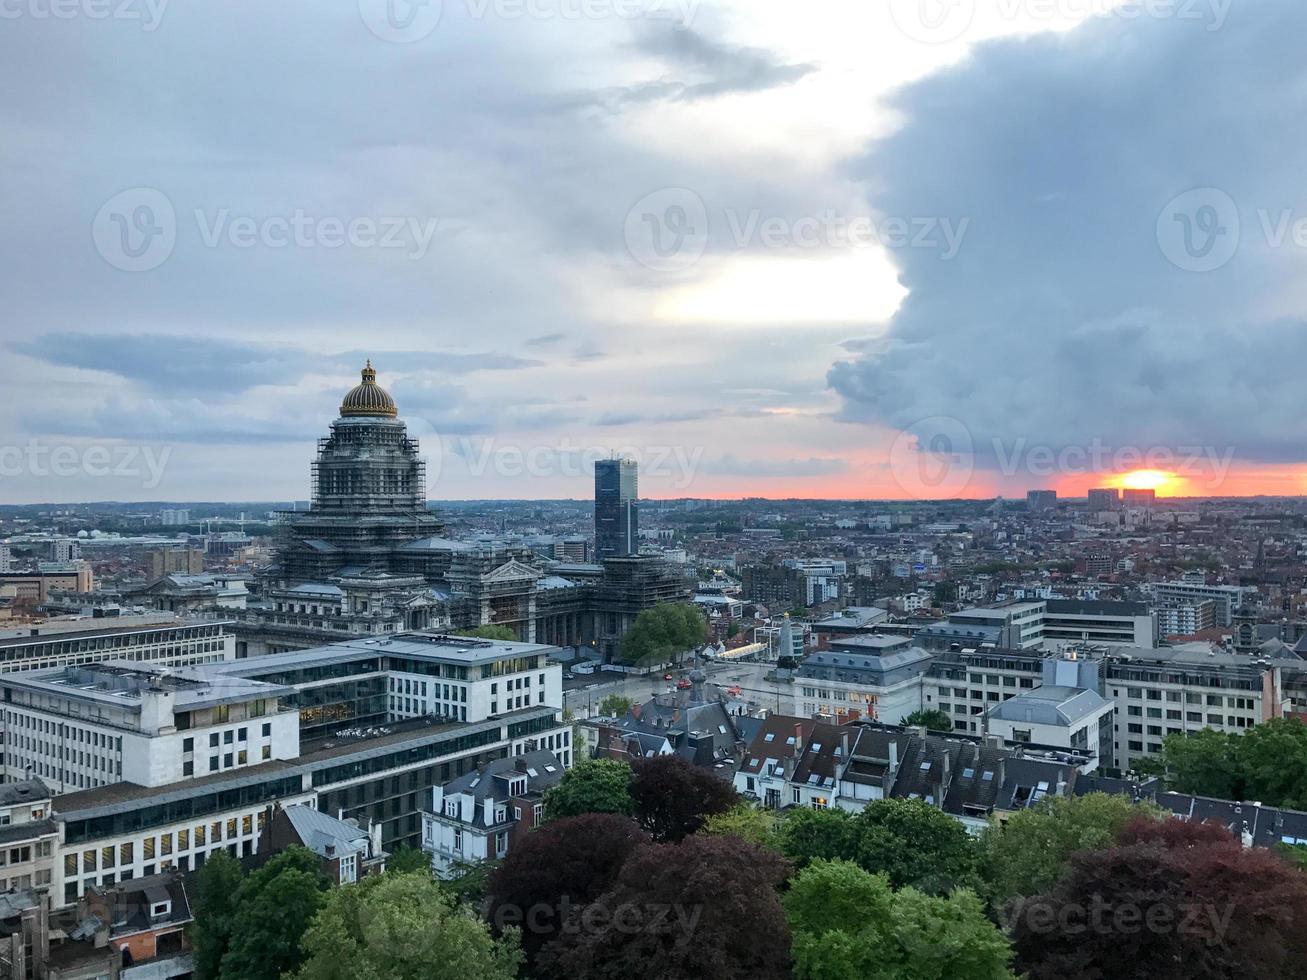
[(489, 632), (1264, 764), (752, 823), (934, 719), (274, 906), (215, 907), (811, 835), (615, 706), (1202, 762), (1028, 853), (408, 860), (1270, 762), (663, 633), (849, 923), (913, 843), (591, 786), (403, 927)]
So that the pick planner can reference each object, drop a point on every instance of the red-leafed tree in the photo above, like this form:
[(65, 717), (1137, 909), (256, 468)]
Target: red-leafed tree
[(563, 864), (672, 798), (706, 908), (1168, 900)]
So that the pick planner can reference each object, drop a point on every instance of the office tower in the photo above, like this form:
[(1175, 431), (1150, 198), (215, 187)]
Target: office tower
[(1138, 498), (617, 525), (1041, 500), (1104, 499)]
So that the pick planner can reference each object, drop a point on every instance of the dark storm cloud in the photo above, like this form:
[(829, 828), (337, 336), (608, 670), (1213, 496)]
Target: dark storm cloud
[(1070, 313)]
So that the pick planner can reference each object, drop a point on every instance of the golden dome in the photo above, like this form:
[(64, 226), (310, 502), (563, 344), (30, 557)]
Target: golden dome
[(368, 398)]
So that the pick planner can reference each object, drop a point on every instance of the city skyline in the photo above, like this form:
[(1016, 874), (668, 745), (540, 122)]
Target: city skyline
[(710, 237)]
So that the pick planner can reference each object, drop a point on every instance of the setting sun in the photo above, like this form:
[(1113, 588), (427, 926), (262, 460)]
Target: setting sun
[(1147, 480)]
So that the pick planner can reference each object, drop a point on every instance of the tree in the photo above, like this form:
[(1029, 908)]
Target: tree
[(615, 706), (403, 927), (849, 923), (913, 843), (591, 786), (663, 633), (1169, 899), (490, 632), (1263, 764), (1270, 760), (811, 835), (706, 907), (573, 860), (274, 906), (671, 798), (215, 907), (1202, 762), (747, 821), (1028, 854), (408, 860), (934, 719)]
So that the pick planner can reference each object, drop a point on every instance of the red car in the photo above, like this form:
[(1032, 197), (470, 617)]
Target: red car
[(667, 677), (683, 685)]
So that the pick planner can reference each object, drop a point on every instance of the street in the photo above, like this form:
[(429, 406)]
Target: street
[(584, 692)]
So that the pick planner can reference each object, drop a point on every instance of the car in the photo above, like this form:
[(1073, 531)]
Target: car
[(667, 677), (683, 685)]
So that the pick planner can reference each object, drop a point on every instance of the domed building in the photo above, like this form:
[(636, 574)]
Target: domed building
[(368, 493), (369, 558)]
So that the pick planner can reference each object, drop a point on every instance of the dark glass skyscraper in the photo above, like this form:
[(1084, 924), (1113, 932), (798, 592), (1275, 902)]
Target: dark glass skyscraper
[(617, 509)]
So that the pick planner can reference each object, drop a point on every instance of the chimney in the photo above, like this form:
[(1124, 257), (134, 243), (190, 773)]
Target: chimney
[(798, 739), (844, 745), (893, 756), (635, 710)]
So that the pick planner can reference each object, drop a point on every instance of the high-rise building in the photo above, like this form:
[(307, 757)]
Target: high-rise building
[(1041, 500), (1132, 497), (171, 516), (617, 523), (167, 561), (1104, 498)]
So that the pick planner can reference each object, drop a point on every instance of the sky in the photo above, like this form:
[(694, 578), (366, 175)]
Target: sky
[(903, 249)]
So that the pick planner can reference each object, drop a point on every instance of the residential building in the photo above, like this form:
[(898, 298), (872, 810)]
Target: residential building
[(874, 677), (1041, 501), (1227, 598), (29, 838), (1185, 618), (1015, 625), (348, 851), (481, 815), (1104, 499), (806, 763), (1138, 497)]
